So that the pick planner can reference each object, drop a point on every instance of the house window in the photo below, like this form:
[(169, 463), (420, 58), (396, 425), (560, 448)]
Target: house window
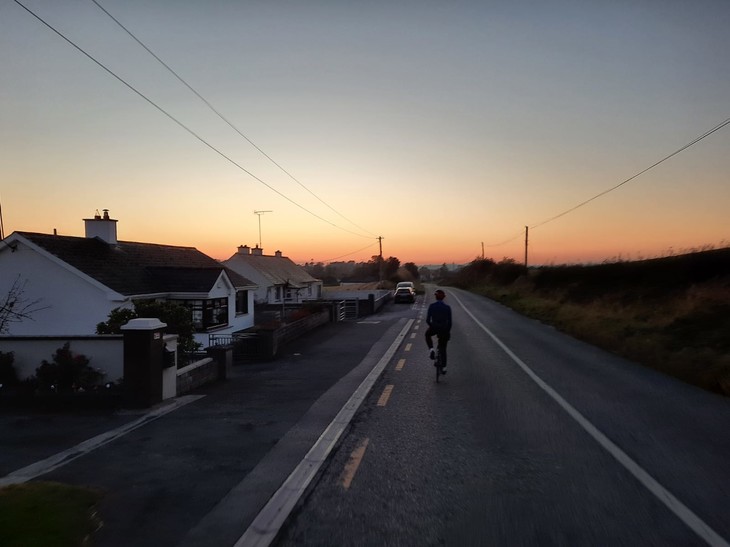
[(241, 302), (278, 293), (207, 314)]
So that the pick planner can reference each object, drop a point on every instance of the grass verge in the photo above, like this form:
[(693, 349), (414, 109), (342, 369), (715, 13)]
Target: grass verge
[(682, 333), (39, 514)]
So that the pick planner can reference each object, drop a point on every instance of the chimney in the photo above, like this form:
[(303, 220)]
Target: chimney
[(104, 228), (277, 254), (257, 251), (244, 250)]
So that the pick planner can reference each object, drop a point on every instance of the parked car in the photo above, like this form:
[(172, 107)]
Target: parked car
[(404, 294)]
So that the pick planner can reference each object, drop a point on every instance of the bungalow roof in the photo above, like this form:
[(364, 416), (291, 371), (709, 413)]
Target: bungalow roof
[(278, 270), (131, 268)]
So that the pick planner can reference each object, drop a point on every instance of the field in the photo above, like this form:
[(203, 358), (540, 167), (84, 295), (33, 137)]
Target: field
[(672, 314)]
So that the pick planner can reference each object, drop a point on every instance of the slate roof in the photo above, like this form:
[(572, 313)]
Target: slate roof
[(131, 268), (278, 270)]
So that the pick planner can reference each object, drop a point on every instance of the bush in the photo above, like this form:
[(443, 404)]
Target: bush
[(8, 376), (176, 316), (67, 373)]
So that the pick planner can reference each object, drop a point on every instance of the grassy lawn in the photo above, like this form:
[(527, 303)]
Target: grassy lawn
[(40, 514)]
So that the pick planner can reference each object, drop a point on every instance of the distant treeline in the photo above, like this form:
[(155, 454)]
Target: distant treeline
[(653, 275)]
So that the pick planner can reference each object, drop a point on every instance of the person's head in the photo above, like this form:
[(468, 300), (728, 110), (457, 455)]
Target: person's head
[(439, 294)]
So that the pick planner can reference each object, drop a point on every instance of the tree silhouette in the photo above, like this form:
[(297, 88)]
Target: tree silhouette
[(15, 308)]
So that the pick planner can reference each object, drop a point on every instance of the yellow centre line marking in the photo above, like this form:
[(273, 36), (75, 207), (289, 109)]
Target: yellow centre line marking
[(408, 347), (385, 395), (353, 463), (400, 365)]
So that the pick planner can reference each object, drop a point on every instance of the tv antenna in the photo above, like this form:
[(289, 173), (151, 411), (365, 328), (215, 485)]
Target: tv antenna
[(259, 213)]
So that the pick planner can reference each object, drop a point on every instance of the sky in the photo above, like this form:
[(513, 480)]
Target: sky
[(444, 128)]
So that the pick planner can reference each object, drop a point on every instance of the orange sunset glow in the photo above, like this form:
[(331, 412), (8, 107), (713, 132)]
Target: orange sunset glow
[(446, 135)]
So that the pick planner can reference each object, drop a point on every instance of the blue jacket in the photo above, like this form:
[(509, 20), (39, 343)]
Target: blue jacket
[(439, 316)]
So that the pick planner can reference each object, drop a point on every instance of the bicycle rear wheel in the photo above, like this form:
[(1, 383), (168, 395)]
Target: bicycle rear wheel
[(437, 366)]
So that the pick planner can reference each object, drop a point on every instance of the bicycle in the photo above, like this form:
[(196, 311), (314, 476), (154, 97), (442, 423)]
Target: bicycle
[(438, 364)]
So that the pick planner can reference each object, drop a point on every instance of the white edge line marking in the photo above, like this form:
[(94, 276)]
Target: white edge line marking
[(684, 513), (271, 518), (62, 458)]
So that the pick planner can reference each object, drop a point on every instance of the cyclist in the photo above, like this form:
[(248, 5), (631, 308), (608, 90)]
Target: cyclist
[(438, 319)]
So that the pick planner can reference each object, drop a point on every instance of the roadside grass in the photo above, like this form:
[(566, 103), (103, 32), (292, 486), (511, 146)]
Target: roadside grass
[(39, 514), (681, 332)]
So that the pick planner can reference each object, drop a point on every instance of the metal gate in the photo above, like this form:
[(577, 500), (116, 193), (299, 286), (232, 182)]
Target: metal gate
[(347, 309), (351, 309)]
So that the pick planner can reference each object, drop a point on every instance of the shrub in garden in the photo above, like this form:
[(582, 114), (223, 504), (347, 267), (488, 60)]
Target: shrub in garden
[(8, 376), (67, 372)]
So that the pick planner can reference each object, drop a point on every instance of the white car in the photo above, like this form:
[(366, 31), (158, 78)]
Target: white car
[(404, 294)]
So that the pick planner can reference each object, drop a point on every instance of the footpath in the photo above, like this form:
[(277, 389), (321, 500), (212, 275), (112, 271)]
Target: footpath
[(197, 470)]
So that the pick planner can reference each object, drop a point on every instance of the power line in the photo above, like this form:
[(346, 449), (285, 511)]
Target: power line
[(222, 117), (348, 254), (695, 141), (181, 124), (581, 204)]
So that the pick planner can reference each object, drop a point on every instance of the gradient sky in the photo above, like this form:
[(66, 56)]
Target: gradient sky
[(440, 126)]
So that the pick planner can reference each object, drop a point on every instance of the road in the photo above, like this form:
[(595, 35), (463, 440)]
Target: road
[(197, 471), (532, 438)]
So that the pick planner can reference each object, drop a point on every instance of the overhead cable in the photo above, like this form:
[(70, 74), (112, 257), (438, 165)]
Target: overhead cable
[(581, 204), (695, 141), (181, 124), (222, 117), (348, 254)]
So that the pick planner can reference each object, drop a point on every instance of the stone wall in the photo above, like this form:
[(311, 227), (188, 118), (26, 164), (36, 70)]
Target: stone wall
[(196, 374)]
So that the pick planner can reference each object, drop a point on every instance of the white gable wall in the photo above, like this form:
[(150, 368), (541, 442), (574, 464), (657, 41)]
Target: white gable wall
[(261, 293), (72, 305)]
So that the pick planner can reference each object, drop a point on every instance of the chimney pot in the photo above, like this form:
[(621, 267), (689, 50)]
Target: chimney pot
[(103, 228)]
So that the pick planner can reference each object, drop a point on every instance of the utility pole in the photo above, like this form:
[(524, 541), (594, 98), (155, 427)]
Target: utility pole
[(482, 250), (527, 229), (380, 265), (259, 213), (2, 229)]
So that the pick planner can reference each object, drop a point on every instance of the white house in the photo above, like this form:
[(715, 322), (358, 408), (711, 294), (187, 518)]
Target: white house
[(278, 278), (77, 281)]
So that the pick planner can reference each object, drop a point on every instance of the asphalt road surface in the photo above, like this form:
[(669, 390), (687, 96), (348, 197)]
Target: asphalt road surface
[(532, 438), (198, 473)]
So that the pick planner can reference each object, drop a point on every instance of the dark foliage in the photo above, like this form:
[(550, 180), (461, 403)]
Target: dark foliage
[(67, 373), (483, 270), (652, 277), (8, 376), (177, 318)]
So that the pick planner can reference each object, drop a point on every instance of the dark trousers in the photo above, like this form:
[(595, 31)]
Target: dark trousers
[(443, 338)]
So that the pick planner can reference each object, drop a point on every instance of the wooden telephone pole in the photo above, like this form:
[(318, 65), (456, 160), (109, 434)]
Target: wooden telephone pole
[(380, 265), (2, 229)]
